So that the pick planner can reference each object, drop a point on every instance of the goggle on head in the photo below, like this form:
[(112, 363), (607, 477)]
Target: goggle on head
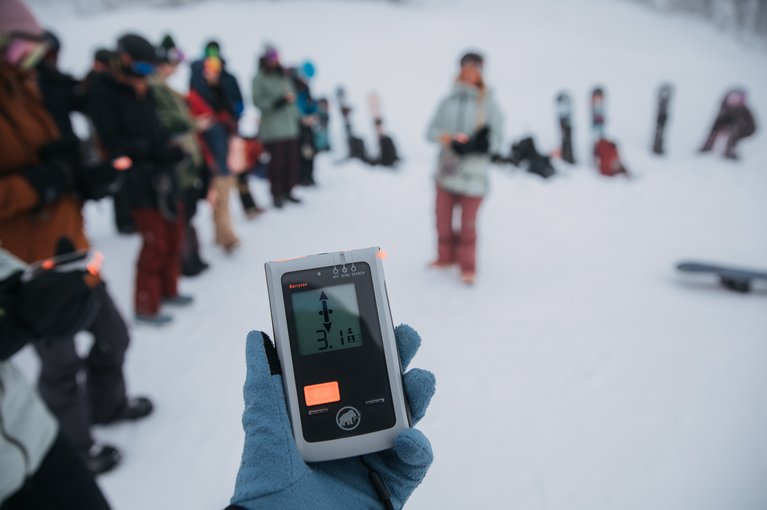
[(23, 50)]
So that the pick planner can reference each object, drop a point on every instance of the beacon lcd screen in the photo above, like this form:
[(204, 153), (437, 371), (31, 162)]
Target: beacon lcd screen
[(326, 319)]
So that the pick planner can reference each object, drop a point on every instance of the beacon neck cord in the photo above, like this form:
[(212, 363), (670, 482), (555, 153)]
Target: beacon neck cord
[(382, 491)]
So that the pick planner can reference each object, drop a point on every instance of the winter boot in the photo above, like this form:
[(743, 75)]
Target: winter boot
[(157, 319), (101, 458), (178, 300), (134, 409)]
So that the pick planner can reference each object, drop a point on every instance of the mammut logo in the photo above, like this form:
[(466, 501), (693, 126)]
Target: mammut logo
[(348, 418), (298, 285)]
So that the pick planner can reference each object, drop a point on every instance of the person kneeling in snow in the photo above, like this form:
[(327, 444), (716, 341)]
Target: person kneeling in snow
[(733, 120)]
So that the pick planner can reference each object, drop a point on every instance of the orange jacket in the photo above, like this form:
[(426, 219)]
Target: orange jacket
[(26, 231)]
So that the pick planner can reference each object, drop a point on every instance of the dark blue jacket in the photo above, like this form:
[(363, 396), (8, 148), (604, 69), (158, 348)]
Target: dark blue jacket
[(228, 85)]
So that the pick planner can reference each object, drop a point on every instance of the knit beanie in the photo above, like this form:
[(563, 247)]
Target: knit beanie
[(137, 48), (168, 53), (15, 17)]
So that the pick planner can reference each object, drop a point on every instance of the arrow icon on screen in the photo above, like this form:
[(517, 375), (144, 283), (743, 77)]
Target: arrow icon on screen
[(325, 311)]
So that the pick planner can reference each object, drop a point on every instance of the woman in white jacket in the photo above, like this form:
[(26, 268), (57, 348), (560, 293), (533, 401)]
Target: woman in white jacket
[(468, 125)]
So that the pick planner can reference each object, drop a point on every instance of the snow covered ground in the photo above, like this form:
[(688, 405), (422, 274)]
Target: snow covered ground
[(581, 371)]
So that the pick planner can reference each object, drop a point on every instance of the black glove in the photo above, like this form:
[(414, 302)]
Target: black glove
[(64, 148), (95, 182), (167, 155), (51, 179), (280, 103), (57, 304)]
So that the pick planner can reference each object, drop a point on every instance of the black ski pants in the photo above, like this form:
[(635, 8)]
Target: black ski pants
[(123, 218), (246, 197), (80, 391), (283, 166), (61, 481), (190, 250)]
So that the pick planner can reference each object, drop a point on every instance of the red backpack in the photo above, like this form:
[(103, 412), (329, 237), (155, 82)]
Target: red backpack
[(607, 158)]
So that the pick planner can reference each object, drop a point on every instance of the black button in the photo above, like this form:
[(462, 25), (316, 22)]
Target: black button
[(315, 412), (375, 401)]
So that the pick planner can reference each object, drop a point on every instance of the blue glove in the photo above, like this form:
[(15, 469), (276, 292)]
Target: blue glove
[(274, 475)]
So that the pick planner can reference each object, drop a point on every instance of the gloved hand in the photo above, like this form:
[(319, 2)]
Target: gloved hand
[(167, 155), (279, 103), (50, 179), (273, 474), (57, 304), (95, 182)]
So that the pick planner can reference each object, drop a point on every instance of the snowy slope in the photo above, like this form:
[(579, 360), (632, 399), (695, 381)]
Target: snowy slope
[(581, 372)]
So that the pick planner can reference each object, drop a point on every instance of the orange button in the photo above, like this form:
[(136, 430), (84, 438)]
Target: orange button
[(324, 393)]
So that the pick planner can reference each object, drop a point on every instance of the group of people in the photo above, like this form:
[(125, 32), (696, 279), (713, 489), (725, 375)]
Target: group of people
[(170, 150), (157, 152)]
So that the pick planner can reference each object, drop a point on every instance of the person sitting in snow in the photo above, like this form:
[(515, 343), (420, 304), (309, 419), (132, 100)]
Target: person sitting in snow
[(734, 121)]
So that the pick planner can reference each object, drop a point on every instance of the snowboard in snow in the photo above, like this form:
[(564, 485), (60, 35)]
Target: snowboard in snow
[(664, 99), (598, 113), (387, 151), (321, 127), (356, 144), (565, 114), (735, 279)]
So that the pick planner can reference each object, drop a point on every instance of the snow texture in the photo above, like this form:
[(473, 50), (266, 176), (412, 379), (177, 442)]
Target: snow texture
[(581, 371)]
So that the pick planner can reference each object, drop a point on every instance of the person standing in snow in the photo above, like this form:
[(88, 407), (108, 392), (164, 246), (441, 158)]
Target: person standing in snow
[(123, 109), (468, 126), (307, 108), (209, 106), (734, 121), (275, 95), (175, 117), (42, 188), (230, 99), (40, 468)]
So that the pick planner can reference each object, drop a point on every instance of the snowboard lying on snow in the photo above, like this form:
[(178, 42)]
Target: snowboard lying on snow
[(735, 279)]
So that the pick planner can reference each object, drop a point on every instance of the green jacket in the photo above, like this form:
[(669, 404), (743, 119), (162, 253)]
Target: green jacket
[(178, 121), (278, 121), (463, 111)]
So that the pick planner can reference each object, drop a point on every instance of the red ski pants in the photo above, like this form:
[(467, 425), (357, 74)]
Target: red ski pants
[(159, 261), (460, 246)]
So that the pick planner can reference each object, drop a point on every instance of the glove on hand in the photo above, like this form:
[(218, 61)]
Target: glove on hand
[(95, 182), (50, 180), (57, 304), (273, 474), (167, 155), (279, 103)]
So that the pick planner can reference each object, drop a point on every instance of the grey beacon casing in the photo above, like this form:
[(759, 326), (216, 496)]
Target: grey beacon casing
[(341, 370)]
